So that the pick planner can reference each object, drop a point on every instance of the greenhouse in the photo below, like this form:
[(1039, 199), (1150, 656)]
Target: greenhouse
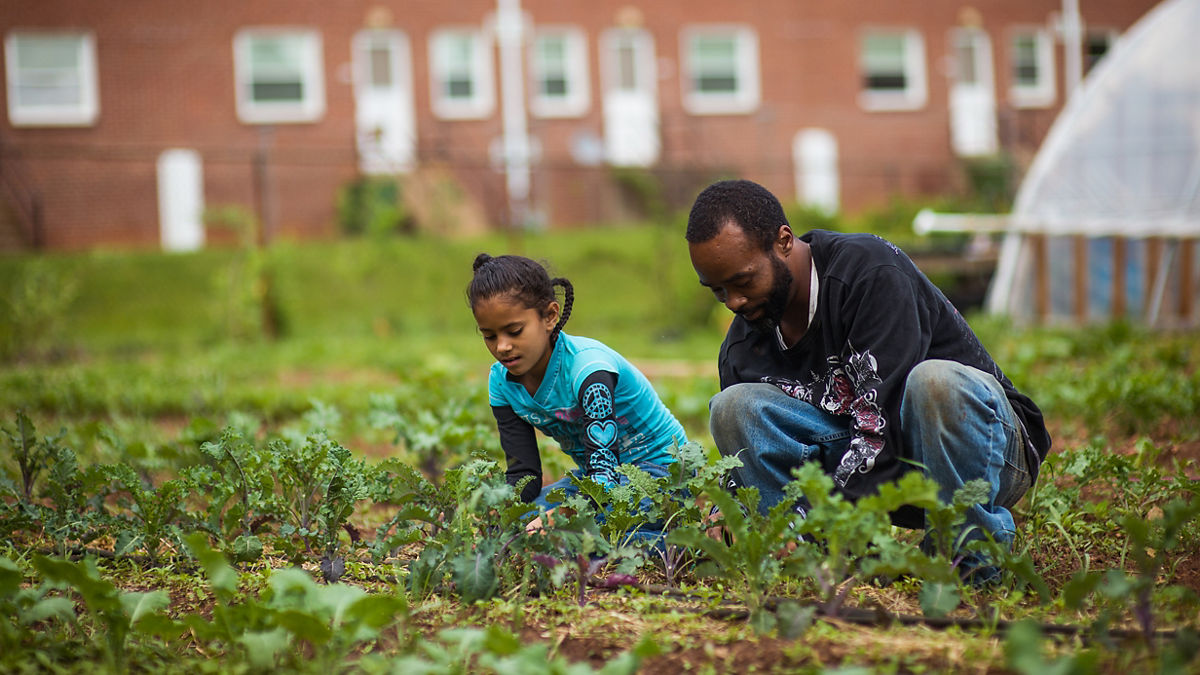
[(1105, 220)]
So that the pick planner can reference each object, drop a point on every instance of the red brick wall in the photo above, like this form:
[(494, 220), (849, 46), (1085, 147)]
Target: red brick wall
[(166, 80)]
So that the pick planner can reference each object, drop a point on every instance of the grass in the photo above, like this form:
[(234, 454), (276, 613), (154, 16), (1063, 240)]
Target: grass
[(632, 289)]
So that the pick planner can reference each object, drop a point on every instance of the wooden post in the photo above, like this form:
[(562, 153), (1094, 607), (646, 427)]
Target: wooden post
[(1154, 251), (1041, 280), (263, 190), (1079, 280), (1187, 261), (1118, 277)]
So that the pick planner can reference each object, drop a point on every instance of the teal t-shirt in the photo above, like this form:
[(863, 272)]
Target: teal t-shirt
[(646, 429)]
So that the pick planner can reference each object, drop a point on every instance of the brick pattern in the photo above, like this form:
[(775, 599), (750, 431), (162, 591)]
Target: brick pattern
[(166, 80)]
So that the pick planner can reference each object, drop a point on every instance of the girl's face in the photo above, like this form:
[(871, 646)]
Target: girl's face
[(517, 336)]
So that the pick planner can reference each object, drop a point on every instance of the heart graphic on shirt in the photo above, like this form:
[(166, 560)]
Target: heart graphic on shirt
[(602, 433)]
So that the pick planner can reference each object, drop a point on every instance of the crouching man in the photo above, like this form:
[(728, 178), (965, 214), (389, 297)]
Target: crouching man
[(842, 352)]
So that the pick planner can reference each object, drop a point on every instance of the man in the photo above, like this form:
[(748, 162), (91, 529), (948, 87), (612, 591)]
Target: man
[(843, 352)]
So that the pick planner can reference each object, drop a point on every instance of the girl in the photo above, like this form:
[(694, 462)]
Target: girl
[(601, 410)]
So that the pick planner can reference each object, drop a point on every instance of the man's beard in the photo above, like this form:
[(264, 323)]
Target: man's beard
[(777, 298)]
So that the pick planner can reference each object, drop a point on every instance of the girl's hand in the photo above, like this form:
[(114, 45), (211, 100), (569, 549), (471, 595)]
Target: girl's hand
[(715, 530), (536, 525)]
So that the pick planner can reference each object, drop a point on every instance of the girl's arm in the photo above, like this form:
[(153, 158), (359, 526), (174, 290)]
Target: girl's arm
[(600, 427), (519, 443)]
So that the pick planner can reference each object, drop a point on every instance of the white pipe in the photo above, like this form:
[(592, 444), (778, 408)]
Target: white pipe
[(1072, 29), (510, 35)]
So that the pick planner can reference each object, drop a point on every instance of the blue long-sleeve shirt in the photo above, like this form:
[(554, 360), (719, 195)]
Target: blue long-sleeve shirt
[(600, 409)]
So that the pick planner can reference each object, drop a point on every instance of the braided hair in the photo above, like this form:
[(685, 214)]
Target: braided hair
[(524, 280)]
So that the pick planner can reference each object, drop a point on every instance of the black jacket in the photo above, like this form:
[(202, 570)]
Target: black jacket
[(877, 316)]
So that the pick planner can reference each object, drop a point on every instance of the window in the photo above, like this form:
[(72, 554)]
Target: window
[(461, 74), (720, 70), (279, 76), (893, 70), (379, 66), (558, 64), (1032, 60), (51, 79)]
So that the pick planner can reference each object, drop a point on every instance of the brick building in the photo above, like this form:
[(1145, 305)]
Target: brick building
[(122, 119)]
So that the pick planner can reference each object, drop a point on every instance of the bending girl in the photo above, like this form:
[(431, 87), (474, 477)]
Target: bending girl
[(599, 408)]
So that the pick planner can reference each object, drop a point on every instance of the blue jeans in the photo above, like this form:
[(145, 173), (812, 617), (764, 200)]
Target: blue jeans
[(648, 533), (954, 419)]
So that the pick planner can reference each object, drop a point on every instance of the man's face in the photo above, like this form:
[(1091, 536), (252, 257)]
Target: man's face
[(753, 283)]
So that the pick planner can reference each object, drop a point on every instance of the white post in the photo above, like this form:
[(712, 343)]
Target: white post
[(1072, 29), (510, 35)]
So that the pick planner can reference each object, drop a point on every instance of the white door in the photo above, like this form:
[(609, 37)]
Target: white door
[(815, 157), (385, 125), (972, 94), (630, 97), (180, 200)]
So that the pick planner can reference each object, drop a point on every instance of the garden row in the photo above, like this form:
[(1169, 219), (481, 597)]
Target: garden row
[(302, 499)]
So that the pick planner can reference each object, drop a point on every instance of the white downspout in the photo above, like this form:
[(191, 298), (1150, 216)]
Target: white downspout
[(1072, 29), (510, 30)]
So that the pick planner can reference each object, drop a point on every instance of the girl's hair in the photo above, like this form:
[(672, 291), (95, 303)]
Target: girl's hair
[(524, 279)]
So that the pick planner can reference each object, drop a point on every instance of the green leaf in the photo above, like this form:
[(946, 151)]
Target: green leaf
[(762, 620), (475, 575), (247, 548), (1024, 570), (1023, 651), (1116, 584), (221, 576), (913, 488), (794, 619), (46, 608), (1081, 585), (99, 594), (162, 627), (375, 611), (501, 641), (262, 647), (304, 625), (337, 599), (140, 605), (692, 538), (626, 663), (939, 599), (977, 491), (647, 647), (10, 577)]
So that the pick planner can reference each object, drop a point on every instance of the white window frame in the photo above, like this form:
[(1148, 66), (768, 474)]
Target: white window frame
[(311, 106), (747, 94), (915, 93), (1042, 92), (482, 102), (83, 112), (577, 98)]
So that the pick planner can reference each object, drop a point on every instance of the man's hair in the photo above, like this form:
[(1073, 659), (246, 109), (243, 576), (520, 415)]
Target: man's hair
[(747, 204)]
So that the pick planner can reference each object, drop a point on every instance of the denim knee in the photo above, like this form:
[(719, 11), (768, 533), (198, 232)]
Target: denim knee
[(936, 383), (734, 411), (731, 405)]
